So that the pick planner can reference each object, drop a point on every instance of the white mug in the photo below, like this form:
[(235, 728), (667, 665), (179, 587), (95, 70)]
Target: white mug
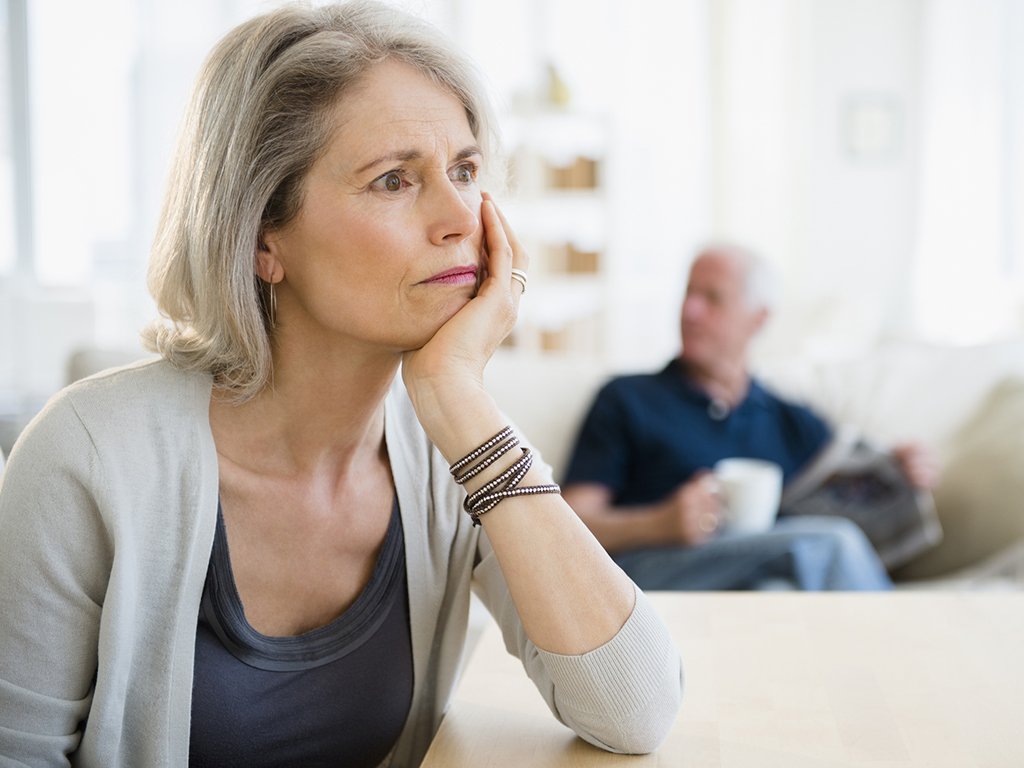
[(750, 490)]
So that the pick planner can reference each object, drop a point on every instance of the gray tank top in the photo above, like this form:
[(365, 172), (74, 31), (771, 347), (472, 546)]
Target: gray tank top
[(338, 695)]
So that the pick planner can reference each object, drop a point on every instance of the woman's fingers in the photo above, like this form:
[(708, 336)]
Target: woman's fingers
[(522, 259), (504, 251), (464, 344), (499, 249)]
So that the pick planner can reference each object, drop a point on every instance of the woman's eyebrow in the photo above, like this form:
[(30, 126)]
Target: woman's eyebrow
[(469, 151), (404, 156)]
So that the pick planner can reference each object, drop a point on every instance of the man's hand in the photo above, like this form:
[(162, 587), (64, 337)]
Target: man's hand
[(692, 512), (918, 464)]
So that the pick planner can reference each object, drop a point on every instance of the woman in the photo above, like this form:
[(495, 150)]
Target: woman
[(253, 551)]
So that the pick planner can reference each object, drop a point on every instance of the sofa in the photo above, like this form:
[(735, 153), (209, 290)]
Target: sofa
[(965, 402)]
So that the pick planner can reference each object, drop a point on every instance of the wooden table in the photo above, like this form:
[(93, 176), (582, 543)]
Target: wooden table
[(788, 680)]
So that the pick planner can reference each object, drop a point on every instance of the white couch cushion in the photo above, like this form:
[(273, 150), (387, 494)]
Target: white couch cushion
[(546, 396), (980, 496), (903, 390)]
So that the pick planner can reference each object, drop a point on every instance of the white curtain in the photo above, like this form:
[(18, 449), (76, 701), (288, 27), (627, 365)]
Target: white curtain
[(970, 257)]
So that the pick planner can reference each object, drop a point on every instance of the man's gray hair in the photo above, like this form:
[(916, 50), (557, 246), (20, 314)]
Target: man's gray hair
[(761, 279)]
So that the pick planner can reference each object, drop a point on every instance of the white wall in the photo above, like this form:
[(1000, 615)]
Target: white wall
[(660, 174), (816, 130), (860, 201)]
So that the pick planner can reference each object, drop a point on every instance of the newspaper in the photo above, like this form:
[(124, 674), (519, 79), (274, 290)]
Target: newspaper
[(854, 479)]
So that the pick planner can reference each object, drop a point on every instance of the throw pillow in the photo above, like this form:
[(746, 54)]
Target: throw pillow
[(980, 495)]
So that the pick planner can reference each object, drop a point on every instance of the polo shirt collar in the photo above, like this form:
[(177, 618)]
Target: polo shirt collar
[(674, 371)]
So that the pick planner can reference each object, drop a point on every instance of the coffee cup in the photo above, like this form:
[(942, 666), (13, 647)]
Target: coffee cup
[(750, 491)]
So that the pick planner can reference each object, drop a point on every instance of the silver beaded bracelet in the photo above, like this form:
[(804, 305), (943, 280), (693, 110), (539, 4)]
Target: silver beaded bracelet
[(489, 502), (504, 434), (510, 478), (505, 485)]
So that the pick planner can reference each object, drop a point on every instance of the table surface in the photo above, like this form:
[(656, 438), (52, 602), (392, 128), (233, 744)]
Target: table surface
[(787, 680)]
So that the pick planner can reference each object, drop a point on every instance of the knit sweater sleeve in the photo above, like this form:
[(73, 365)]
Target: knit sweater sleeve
[(54, 561), (622, 696)]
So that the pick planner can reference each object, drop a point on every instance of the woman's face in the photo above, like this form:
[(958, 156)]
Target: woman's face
[(387, 244)]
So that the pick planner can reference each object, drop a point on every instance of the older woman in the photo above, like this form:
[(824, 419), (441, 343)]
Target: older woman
[(253, 551)]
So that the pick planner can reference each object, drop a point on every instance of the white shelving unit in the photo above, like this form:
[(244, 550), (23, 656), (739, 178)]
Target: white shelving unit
[(560, 208)]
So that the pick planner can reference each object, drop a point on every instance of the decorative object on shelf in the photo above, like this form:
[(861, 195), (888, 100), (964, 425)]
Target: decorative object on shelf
[(562, 216), (872, 128), (558, 93), (570, 259), (582, 173)]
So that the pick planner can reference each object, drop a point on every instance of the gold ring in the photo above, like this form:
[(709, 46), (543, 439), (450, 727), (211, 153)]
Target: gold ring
[(520, 277)]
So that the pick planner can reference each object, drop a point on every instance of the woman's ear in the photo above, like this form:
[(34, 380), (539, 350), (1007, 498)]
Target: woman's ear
[(268, 266)]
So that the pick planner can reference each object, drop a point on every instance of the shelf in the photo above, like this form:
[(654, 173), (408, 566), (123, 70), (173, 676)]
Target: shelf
[(560, 211), (558, 136), (580, 218)]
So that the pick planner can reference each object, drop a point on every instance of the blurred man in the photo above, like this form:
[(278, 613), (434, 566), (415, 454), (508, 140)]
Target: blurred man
[(639, 475)]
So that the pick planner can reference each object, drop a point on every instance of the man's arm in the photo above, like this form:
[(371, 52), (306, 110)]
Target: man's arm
[(686, 517)]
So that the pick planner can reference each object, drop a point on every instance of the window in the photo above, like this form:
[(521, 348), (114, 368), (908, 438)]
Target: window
[(80, 79), (970, 251), (8, 217)]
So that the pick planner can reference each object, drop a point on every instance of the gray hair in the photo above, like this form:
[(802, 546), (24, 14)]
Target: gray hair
[(760, 278), (258, 119)]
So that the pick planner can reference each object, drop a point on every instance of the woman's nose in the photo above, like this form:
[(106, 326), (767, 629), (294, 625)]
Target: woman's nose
[(454, 213)]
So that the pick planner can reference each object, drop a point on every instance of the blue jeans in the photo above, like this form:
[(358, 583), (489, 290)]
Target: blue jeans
[(812, 553)]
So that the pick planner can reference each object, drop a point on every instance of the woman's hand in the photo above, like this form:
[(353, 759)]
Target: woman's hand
[(552, 565), (445, 375)]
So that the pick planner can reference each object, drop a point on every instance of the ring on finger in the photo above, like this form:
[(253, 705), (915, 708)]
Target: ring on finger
[(708, 522), (520, 277)]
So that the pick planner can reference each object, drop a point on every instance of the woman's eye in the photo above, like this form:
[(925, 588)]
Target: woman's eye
[(392, 181), (464, 174)]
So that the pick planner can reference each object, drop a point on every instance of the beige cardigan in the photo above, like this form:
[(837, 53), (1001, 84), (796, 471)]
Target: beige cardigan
[(107, 511)]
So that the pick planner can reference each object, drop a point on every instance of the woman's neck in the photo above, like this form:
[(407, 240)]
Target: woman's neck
[(316, 413)]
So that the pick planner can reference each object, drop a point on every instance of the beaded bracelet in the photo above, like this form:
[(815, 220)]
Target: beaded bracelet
[(510, 478), (505, 485), (478, 452), (500, 444), (526, 490), (496, 453)]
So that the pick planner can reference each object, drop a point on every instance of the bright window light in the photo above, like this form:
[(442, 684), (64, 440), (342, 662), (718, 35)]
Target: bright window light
[(7, 219)]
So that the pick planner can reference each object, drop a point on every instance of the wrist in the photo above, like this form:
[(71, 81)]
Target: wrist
[(669, 521), (664, 521), (456, 415), (504, 484)]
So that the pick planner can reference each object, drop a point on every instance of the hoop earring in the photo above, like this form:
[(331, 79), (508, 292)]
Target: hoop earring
[(273, 308)]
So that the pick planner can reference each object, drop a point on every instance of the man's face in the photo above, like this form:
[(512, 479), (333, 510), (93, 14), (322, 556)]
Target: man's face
[(717, 323)]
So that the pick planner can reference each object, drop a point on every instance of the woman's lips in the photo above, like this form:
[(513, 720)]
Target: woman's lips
[(456, 276)]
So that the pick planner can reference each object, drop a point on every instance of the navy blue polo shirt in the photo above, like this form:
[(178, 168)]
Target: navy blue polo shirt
[(646, 434)]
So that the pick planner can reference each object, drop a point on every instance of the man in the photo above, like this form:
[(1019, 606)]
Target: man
[(639, 475)]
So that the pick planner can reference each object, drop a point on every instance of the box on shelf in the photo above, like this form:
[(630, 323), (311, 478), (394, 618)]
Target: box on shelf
[(567, 258), (582, 173)]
